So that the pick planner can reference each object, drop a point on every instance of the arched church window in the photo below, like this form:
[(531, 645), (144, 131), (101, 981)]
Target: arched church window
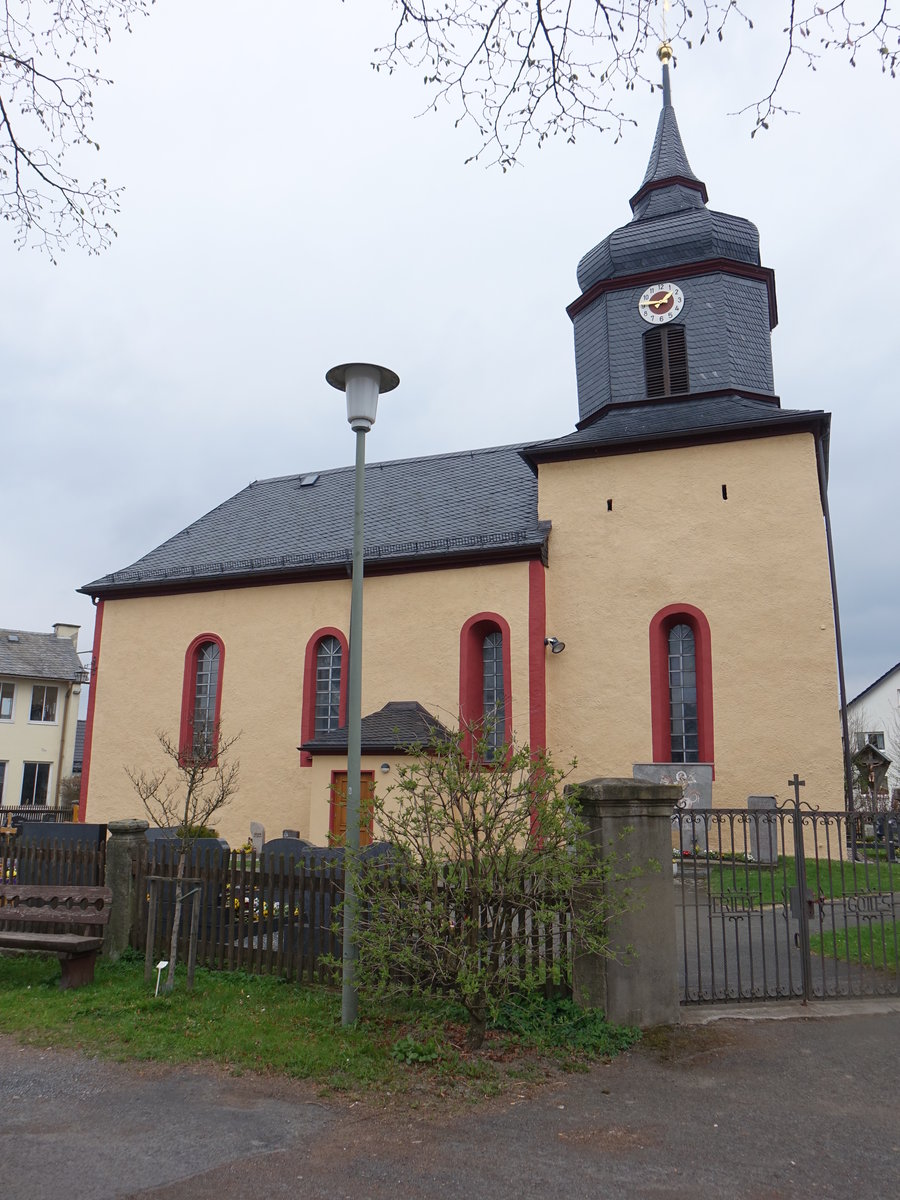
[(329, 656), (485, 709), (202, 697), (493, 695), (681, 691), (324, 695), (665, 361), (683, 727)]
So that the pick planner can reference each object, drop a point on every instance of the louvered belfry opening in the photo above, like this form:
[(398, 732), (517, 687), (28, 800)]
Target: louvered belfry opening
[(665, 361)]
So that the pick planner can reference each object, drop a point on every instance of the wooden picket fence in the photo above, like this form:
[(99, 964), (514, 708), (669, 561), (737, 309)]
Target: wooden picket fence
[(282, 916), (267, 916), (50, 862), (263, 916)]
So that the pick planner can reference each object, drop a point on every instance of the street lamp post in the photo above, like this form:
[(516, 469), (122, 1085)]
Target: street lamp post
[(362, 383)]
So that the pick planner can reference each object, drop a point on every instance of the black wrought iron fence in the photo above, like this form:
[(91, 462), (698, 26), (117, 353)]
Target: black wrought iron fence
[(787, 902)]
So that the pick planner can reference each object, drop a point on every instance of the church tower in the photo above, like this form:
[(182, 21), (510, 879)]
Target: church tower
[(689, 570), (676, 302)]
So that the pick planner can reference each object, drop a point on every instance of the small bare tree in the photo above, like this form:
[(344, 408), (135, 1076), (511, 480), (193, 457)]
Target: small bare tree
[(185, 796)]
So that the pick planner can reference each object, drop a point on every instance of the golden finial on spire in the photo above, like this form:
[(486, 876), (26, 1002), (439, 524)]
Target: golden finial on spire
[(664, 53)]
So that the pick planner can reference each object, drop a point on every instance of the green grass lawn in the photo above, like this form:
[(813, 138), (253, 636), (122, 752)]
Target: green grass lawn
[(833, 879), (872, 947), (259, 1023)]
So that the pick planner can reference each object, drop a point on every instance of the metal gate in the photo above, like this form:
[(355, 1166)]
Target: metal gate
[(785, 903)]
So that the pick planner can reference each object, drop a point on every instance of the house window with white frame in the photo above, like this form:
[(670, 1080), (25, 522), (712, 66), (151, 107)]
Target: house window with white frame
[(7, 701), (43, 704), (35, 783), (875, 738)]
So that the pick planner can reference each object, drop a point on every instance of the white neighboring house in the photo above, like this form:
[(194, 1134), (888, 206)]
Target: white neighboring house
[(41, 677), (873, 717)]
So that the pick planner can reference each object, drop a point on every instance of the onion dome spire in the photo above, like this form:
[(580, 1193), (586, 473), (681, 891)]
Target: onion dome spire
[(669, 184)]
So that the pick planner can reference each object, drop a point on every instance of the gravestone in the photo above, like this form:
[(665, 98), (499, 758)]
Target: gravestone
[(257, 835), (763, 829), (286, 847), (695, 781)]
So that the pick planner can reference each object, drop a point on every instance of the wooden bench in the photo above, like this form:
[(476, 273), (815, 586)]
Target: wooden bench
[(70, 910)]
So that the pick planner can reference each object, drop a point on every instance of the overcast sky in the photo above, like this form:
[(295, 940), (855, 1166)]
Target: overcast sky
[(286, 211)]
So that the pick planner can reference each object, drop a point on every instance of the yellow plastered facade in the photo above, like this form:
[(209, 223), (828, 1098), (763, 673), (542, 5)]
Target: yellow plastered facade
[(411, 645), (755, 563)]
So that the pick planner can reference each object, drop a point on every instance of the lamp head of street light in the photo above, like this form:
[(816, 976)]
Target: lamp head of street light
[(556, 646), (363, 383)]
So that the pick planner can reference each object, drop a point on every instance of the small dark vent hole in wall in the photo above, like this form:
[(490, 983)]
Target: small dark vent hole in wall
[(609, 506), (724, 491)]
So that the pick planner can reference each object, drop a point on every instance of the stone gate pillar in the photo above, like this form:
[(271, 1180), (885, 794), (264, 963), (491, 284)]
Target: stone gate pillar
[(126, 842), (629, 824)]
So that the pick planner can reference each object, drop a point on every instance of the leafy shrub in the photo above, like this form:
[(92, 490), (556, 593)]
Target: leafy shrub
[(559, 1022), (411, 1051)]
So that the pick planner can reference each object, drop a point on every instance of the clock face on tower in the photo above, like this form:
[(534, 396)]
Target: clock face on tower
[(661, 302)]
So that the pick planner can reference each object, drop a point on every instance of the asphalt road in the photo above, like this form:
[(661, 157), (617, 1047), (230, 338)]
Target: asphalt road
[(806, 1106)]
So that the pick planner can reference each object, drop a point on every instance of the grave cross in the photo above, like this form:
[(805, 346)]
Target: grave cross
[(796, 783)]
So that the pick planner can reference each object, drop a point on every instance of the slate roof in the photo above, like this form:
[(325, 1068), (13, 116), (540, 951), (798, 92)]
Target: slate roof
[(671, 224), (394, 728), (668, 159), (38, 656), (683, 419), (481, 502)]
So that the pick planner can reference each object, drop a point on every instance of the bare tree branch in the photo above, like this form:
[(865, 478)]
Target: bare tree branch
[(520, 70), (46, 109)]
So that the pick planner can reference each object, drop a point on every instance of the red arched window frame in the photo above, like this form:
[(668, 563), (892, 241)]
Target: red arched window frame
[(186, 735), (308, 702), (471, 681), (662, 623)]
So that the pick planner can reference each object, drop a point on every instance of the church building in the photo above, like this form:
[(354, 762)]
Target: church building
[(675, 542)]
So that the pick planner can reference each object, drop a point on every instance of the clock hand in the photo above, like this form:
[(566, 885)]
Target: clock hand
[(656, 301)]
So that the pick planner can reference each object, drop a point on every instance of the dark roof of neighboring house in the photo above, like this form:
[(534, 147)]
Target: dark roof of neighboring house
[(25, 655), (452, 506), (881, 678), (392, 729), (78, 759), (707, 417)]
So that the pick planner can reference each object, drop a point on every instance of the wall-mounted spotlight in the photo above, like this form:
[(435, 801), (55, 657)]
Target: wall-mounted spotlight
[(556, 646)]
